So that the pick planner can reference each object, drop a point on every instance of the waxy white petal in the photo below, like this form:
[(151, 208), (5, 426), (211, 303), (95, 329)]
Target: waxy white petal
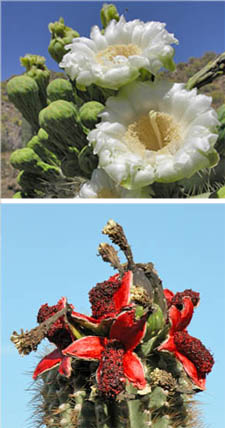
[(185, 118), (115, 58)]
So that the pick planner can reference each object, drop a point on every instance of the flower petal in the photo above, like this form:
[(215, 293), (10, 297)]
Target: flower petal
[(87, 348), (85, 318), (121, 296), (48, 362), (191, 370), (128, 331), (160, 142), (168, 345), (168, 294), (114, 58), (133, 370), (98, 326), (65, 366), (174, 317), (186, 313), (102, 186)]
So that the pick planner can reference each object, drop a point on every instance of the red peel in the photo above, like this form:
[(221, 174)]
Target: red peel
[(52, 360), (125, 334), (195, 358)]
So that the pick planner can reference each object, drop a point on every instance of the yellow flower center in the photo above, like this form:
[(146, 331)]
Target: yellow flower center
[(154, 131), (112, 51), (107, 194)]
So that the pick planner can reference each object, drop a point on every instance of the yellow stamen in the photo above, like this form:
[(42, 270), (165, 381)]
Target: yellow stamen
[(153, 121), (112, 51), (154, 131)]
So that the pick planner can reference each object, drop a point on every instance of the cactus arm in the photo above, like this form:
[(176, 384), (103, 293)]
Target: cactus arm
[(207, 74)]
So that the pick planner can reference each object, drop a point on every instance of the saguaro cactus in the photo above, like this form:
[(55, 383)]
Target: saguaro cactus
[(131, 364), (110, 138)]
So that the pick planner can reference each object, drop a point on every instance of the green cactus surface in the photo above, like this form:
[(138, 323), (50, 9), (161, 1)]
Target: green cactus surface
[(87, 160), (46, 155), (61, 121), (26, 159), (23, 92)]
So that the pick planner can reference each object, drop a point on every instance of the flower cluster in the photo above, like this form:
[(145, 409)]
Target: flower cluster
[(150, 130), (116, 126), (116, 347), (133, 323)]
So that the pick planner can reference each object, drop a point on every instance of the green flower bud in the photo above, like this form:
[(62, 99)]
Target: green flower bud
[(61, 121), (87, 160), (46, 142), (37, 70), (108, 12), (26, 159), (18, 195), (59, 89), (89, 113), (219, 193), (40, 149), (23, 92), (61, 36)]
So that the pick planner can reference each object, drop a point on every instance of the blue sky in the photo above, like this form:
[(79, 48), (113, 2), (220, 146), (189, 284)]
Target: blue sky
[(199, 26), (49, 251)]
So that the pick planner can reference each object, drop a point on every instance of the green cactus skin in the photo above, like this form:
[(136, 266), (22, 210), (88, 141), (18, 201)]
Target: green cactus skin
[(70, 165), (59, 89), (89, 113), (87, 161), (26, 159), (66, 403), (46, 155), (61, 121), (23, 92), (155, 323), (45, 141), (92, 93), (61, 35), (37, 70), (30, 182)]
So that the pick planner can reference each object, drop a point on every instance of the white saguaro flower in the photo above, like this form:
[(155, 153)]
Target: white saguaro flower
[(102, 186), (155, 132), (113, 59)]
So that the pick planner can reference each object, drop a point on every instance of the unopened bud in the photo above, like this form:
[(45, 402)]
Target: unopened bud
[(108, 12)]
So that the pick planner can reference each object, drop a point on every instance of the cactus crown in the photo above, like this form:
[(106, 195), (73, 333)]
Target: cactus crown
[(111, 369)]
